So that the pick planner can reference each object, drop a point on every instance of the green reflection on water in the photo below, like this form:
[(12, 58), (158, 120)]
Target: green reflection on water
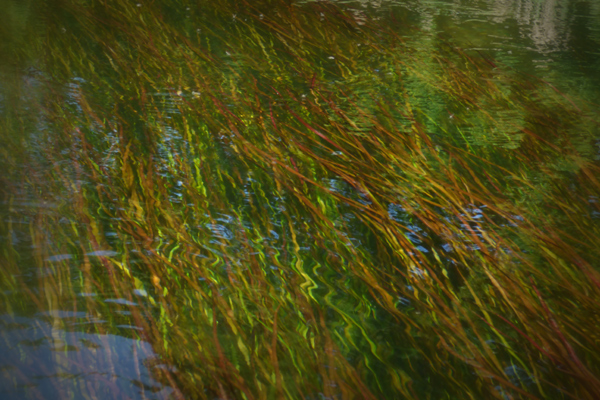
[(299, 200)]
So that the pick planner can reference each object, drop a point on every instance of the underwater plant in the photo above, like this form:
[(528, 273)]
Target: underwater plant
[(292, 200)]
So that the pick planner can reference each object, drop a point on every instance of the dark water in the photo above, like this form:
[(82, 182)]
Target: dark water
[(149, 253)]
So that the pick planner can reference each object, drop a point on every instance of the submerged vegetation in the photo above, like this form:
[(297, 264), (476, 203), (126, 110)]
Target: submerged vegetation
[(299, 201)]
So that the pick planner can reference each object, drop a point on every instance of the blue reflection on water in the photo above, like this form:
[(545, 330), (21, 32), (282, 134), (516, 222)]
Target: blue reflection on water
[(39, 361)]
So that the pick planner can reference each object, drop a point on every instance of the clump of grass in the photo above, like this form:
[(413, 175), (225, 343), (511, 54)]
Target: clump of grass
[(302, 203)]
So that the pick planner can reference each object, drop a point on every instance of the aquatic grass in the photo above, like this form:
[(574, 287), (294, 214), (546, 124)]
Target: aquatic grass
[(315, 228)]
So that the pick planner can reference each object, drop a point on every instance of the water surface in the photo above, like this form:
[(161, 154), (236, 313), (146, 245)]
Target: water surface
[(309, 199)]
